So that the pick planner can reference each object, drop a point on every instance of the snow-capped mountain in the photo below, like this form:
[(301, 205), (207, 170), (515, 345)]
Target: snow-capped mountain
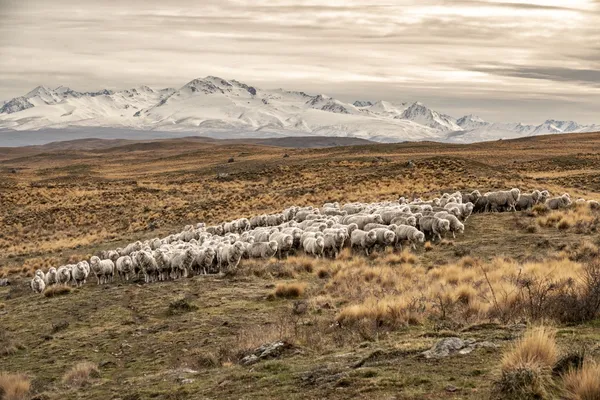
[(217, 107)]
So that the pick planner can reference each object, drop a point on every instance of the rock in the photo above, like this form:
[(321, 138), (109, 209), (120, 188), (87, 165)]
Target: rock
[(445, 347), (266, 351), (105, 363), (186, 381), (451, 388), (455, 345), (4, 282)]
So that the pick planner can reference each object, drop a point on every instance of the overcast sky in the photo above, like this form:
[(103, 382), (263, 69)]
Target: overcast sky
[(510, 60)]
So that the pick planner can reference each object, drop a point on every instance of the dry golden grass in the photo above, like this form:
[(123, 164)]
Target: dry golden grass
[(14, 386), (526, 368), (536, 348), (81, 374), (584, 383), (57, 290), (290, 290)]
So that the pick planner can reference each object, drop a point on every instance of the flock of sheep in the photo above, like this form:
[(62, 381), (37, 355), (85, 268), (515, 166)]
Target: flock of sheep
[(317, 232)]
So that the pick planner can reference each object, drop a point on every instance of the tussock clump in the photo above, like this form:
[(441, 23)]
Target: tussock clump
[(428, 246), (57, 290), (81, 374), (526, 368), (290, 290), (584, 383), (180, 306), (14, 386)]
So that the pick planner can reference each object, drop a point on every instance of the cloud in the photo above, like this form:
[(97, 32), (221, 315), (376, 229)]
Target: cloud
[(473, 51)]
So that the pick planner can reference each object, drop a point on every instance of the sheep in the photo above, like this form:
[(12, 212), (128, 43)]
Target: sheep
[(556, 203), (51, 277), (334, 212), (471, 197), (79, 273), (503, 198), (37, 284), (362, 220), (363, 240), (455, 224), (63, 274), (41, 274), (124, 266), (314, 246), (465, 210), (593, 204), (263, 234), (333, 242), (103, 269), (230, 227), (434, 226), (275, 219), (528, 200), (112, 255), (320, 227), (385, 236), (296, 234), (146, 263), (481, 205), (404, 220), (229, 256), (262, 250), (130, 248), (409, 233), (181, 262), (284, 241), (258, 220), (163, 264)]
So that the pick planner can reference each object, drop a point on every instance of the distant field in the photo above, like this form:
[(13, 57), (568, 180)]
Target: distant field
[(64, 202)]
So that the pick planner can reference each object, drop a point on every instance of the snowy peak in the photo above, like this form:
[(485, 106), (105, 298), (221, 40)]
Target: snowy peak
[(362, 103), (217, 106), (470, 121), (15, 105), (419, 113)]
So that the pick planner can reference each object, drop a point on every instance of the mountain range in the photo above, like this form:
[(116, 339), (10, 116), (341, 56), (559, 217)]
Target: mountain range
[(228, 109)]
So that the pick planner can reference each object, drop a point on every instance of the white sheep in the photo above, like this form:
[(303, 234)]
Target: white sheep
[(37, 284), (79, 273), (63, 274), (363, 240), (434, 226), (103, 269), (51, 277), (124, 267), (503, 198), (229, 256), (262, 250), (556, 203), (314, 246), (410, 234)]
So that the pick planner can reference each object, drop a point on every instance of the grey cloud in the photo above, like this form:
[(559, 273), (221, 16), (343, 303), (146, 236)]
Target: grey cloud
[(455, 54)]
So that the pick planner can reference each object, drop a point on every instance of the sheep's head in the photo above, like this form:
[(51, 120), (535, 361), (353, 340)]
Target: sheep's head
[(273, 245), (389, 237), (444, 225), (94, 260), (516, 193), (377, 219), (419, 236), (371, 237)]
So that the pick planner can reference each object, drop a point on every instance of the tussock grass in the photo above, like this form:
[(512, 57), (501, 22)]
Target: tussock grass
[(584, 383), (14, 386), (290, 290), (57, 290), (81, 374), (526, 368)]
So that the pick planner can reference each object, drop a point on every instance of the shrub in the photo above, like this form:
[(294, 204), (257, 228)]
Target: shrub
[(181, 305), (526, 368), (81, 374), (428, 246), (584, 383), (290, 290), (57, 290), (14, 386)]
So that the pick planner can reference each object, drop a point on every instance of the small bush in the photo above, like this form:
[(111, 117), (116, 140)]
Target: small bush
[(14, 386), (428, 246), (323, 273), (540, 209), (584, 383), (526, 368), (180, 306), (290, 290), (57, 290), (81, 374)]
